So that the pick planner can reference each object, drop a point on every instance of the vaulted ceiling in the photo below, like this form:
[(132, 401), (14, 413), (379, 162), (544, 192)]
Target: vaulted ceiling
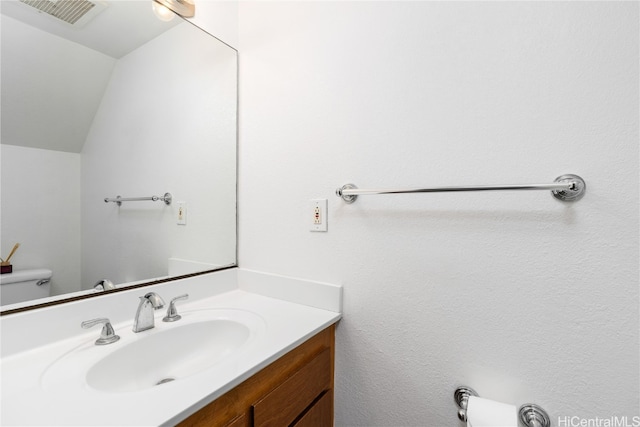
[(54, 74)]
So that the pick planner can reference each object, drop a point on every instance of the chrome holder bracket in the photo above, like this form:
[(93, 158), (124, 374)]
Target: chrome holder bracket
[(529, 415), (461, 396), (347, 198), (576, 192), (532, 415)]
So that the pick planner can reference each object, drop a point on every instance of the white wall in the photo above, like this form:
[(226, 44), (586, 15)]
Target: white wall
[(220, 18), (46, 222), (167, 138), (517, 295)]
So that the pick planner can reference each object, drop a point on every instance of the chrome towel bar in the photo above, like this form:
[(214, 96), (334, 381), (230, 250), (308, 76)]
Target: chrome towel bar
[(118, 200), (567, 188)]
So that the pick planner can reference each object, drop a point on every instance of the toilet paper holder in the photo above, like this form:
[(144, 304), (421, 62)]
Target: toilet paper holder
[(529, 414)]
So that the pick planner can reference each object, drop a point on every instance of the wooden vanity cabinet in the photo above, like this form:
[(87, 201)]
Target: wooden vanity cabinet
[(295, 390)]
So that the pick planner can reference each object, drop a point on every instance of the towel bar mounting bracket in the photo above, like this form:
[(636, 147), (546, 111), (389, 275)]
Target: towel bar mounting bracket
[(573, 193)]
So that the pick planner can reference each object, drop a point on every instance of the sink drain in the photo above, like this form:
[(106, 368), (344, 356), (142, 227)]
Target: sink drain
[(165, 380)]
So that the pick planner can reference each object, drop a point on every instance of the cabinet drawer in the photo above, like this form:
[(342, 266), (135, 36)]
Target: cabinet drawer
[(287, 401), (240, 421), (320, 414)]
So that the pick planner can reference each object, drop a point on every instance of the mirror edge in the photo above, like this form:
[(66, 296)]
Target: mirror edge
[(102, 293)]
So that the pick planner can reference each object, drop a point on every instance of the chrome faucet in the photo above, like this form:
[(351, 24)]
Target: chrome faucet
[(144, 315)]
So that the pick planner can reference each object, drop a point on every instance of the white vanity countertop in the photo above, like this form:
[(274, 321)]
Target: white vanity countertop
[(27, 399)]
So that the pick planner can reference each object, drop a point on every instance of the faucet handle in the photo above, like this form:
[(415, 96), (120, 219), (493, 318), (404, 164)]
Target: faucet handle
[(104, 285), (107, 336), (172, 313)]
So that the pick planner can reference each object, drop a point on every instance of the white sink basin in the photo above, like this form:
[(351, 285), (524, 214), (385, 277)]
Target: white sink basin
[(201, 340), (168, 355)]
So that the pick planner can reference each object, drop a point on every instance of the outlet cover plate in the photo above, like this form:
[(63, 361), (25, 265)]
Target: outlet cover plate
[(317, 214)]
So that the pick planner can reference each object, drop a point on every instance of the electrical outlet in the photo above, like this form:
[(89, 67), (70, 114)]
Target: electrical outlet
[(318, 214), (181, 215), (317, 218)]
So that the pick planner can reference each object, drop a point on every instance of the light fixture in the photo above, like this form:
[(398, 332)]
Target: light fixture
[(162, 12), (184, 8)]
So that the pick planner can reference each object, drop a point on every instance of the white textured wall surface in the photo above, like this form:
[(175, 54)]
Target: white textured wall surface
[(175, 133), (41, 211), (518, 295)]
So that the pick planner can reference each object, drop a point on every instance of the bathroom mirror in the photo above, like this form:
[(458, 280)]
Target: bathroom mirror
[(116, 103)]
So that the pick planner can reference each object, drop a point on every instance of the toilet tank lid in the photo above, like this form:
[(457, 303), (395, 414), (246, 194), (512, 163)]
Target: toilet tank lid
[(25, 275)]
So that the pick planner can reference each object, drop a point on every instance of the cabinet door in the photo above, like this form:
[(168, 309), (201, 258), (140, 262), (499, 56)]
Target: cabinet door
[(283, 405), (306, 377)]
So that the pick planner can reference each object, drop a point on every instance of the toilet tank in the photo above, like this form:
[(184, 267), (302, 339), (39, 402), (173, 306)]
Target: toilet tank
[(25, 285)]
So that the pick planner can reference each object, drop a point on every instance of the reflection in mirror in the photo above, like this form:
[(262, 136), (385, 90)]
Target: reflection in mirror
[(121, 104)]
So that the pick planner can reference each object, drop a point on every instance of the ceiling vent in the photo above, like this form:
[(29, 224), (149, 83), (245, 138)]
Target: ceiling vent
[(73, 12)]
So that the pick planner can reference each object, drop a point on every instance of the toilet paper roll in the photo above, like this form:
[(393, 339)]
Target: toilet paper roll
[(489, 413)]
